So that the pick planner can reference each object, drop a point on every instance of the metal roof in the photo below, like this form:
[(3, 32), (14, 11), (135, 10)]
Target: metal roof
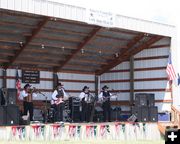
[(34, 41)]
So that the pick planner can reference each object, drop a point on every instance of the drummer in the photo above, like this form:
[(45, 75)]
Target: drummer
[(85, 98)]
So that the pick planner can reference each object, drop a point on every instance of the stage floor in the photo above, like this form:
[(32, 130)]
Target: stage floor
[(114, 131)]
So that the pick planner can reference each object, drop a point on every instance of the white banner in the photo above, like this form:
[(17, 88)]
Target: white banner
[(97, 17)]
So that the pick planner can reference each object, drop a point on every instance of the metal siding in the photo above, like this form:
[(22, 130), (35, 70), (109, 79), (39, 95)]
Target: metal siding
[(77, 86), (153, 52), (123, 65), (150, 63), (150, 74), (117, 86), (160, 95), (163, 107), (115, 76), (151, 85), (122, 96), (72, 76)]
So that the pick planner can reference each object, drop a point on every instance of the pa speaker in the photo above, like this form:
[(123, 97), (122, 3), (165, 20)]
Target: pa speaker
[(151, 99), (11, 94), (153, 114), (12, 115), (141, 99), (144, 114), (2, 115)]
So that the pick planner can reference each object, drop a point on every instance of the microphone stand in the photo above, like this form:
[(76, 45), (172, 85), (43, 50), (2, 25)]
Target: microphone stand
[(45, 112), (116, 108)]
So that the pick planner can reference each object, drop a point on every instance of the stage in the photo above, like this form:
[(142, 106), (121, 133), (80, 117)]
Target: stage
[(115, 131)]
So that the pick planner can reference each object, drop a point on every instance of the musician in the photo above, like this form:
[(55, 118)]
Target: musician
[(58, 97), (27, 94), (85, 98), (106, 105)]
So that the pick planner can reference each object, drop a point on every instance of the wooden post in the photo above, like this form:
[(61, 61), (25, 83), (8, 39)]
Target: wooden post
[(96, 85), (131, 80), (96, 97), (55, 80), (4, 83)]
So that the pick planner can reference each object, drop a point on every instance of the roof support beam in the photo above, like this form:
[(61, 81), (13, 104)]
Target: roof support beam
[(28, 40), (129, 52), (80, 46), (129, 45)]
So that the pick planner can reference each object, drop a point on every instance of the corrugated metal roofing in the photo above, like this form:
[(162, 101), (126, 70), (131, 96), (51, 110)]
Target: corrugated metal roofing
[(29, 40)]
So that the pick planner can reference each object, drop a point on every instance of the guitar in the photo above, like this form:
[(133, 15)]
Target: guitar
[(104, 99), (59, 101), (60, 97)]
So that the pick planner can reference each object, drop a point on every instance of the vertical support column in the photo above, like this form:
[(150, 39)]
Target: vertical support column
[(4, 82), (55, 80), (97, 84), (131, 80)]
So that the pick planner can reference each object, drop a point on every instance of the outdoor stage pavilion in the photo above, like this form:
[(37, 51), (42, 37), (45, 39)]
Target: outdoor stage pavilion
[(129, 55)]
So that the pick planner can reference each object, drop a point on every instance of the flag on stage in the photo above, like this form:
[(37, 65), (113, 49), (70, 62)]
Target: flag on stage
[(170, 69), (18, 84), (178, 81)]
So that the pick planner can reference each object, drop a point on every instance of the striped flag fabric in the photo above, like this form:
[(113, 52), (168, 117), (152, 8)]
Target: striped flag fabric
[(18, 84), (178, 81), (170, 69)]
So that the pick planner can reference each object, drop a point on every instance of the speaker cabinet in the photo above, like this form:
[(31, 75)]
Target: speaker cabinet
[(13, 115), (2, 115), (9, 115), (11, 94), (151, 99), (141, 99), (2, 97), (153, 114), (144, 114)]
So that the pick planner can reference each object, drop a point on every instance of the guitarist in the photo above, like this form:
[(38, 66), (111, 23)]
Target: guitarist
[(58, 97), (106, 105)]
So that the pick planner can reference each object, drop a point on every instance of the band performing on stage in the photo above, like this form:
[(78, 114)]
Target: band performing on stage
[(27, 95), (64, 107)]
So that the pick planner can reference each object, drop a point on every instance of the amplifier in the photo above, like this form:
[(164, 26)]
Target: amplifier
[(9, 115)]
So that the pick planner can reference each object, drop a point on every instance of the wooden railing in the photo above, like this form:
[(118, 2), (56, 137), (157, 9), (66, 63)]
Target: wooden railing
[(175, 116)]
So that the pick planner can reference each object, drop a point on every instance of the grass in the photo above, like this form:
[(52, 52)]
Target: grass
[(83, 142)]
